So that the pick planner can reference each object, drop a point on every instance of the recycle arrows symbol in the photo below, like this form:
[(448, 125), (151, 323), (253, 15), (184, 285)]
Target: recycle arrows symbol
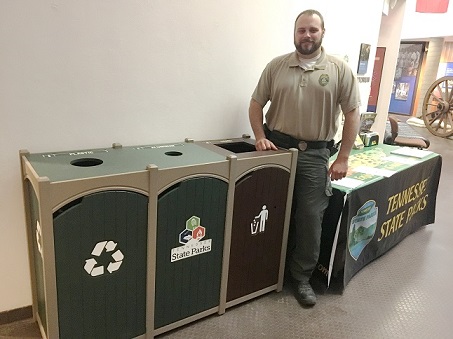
[(118, 257), (109, 246), (97, 250), (39, 236), (89, 267)]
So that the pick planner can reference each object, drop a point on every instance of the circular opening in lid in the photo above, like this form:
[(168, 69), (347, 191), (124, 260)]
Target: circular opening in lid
[(173, 153), (86, 162)]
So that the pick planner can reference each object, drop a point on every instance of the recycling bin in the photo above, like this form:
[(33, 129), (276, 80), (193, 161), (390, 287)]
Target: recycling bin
[(263, 187), (100, 221), (192, 206), (87, 228)]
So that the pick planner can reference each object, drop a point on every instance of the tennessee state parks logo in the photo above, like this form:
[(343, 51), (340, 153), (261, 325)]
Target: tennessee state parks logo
[(323, 79), (191, 240), (362, 229)]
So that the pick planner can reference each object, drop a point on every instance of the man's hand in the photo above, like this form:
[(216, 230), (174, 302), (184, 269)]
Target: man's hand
[(338, 169), (351, 125), (256, 121), (264, 144)]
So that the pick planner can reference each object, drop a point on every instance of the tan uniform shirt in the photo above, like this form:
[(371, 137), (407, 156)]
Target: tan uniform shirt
[(306, 104)]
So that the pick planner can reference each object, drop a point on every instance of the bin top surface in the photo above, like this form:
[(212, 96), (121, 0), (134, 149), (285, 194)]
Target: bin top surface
[(71, 165)]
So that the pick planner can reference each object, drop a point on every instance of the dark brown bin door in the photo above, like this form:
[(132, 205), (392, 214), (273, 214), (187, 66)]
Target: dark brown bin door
[(257, 231)]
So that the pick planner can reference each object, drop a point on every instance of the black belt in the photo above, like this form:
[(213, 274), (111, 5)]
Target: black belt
[(287, 141)]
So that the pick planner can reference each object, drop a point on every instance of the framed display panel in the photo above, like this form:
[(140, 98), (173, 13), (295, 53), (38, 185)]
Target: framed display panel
[(407, 73), (364, 56)]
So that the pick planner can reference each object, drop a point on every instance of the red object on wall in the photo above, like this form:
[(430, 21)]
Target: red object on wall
[(432, 6), (376, 79)]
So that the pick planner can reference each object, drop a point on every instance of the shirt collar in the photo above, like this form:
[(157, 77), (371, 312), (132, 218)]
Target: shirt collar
[(320, 63)]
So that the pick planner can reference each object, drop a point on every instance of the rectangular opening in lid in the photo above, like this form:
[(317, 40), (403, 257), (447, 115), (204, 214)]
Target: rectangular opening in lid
[(238, 147)]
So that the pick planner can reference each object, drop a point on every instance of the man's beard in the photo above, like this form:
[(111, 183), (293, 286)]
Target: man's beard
[(308, 51)]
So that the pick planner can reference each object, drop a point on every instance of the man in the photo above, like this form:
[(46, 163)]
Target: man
[(308, 90)]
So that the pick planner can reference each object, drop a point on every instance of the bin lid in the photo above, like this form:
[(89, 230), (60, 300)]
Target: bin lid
[(71, 165)]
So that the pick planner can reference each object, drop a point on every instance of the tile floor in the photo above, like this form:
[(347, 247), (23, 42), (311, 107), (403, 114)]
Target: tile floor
[(403, 294)]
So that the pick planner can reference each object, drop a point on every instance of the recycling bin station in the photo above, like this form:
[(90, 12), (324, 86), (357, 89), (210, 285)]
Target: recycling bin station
[(100, 221), (257, 228)]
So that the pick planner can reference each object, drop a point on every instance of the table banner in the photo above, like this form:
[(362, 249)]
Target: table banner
[(374, 219)]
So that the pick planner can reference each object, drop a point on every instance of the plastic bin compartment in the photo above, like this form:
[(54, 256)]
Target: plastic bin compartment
[(191, 206), (190, 235), (260, 217), (87, 227), (91, 229)]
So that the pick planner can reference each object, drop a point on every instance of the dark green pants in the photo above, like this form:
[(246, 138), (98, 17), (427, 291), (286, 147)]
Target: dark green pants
[(312, 190)]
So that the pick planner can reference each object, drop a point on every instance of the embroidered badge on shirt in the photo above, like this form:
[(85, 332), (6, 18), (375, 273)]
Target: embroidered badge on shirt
[(323, 79)]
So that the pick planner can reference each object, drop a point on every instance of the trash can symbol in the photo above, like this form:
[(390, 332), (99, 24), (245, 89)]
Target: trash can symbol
[(259, 222)]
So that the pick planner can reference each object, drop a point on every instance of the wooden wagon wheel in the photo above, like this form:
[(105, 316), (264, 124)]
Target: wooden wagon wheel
[(438, 107)]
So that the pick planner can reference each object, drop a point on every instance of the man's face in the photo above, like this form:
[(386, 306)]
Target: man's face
[(308, 34)]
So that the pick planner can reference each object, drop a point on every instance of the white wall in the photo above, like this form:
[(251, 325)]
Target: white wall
[(426, 25), (84, 74), (389, 37)]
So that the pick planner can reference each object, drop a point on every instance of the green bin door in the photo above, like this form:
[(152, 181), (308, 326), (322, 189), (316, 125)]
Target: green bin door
[(190, 231), (257, 231), (100, 256), (36, 235)]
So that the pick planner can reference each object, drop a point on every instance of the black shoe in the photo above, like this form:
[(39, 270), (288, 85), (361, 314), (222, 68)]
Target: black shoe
[(305, 294)]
